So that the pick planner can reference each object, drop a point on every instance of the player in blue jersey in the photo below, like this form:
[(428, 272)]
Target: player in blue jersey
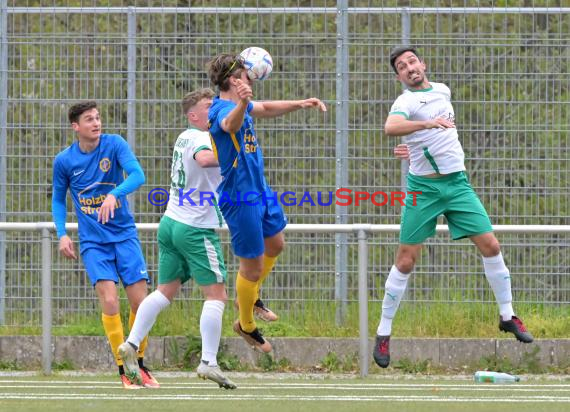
[(93, 168), (255, 224)]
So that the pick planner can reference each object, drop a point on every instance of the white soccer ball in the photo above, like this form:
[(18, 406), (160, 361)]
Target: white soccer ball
[(258, 63)]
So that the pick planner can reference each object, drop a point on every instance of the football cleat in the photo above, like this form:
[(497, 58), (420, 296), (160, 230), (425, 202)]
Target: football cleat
[(263, 312), (382, 351), (215, 374), (254, 338), (148, 380), (129, 356), (128, 384), (517, 328)]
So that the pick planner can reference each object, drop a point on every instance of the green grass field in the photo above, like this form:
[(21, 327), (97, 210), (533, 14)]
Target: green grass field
[(276, 393)]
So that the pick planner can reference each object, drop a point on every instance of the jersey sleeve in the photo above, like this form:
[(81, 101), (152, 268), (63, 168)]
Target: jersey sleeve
[(130, 165), (201, 142), (58, 198), (402, 107), (220, 116), (124, 152), (134, 180)]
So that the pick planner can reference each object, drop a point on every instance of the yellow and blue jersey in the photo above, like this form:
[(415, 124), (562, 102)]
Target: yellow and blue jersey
[(90, 177), (239, 154)]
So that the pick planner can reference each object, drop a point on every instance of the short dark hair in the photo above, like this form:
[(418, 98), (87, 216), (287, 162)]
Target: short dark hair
[(222, 67), (398, 51), (192, 98), (78, 109)]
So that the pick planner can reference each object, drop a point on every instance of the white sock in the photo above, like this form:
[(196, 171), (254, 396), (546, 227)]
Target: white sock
[(148, 310), (394, 290), (211, 330), (499, 278)]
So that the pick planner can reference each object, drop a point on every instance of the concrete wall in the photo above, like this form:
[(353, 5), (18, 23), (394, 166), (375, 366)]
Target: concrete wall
[(92, 352)]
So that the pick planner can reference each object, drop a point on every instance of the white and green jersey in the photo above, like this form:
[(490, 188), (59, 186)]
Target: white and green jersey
[(431, 150), (193, 188)]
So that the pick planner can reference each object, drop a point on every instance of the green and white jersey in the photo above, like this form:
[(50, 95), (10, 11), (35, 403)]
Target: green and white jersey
[(193, 197), (431, 150)]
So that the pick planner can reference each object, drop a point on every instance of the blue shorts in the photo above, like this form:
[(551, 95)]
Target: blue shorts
[(250, 224), (114, 261)]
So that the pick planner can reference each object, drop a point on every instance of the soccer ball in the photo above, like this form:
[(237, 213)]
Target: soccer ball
[(258, 63)]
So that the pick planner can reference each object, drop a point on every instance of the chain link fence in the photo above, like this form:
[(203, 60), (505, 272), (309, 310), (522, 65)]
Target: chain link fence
[(507, 69)]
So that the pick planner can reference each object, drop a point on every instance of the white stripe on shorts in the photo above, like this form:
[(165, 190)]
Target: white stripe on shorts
[(213, 259)]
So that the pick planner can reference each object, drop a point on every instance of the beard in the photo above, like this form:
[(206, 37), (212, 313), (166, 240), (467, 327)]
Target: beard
[(417, 81)]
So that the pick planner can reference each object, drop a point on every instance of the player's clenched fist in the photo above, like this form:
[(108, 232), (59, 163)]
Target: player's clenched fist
[(243, 90), (314, 102), (402, 151)]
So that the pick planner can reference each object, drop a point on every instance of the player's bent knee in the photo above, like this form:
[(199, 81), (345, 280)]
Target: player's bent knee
[(495, 248), (251, 275), (490, 247), (215, 292), (109, 304), (277, 248), (405, 264), (275, 245), (251, 269)]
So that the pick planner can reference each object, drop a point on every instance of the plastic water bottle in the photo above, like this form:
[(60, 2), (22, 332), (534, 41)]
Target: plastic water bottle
[(495, 377)]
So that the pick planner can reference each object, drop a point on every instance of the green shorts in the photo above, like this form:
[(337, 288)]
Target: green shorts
[(451, 196), (189, 252)]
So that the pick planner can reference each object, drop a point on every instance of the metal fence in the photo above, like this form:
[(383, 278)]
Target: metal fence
[(51, 298), (507, 69)]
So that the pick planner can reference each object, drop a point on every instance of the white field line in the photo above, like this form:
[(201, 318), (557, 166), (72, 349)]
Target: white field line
[(319, 385), (212, 385), (236, 397)]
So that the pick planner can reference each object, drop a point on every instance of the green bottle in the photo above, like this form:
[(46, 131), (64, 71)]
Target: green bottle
[(495, 377)]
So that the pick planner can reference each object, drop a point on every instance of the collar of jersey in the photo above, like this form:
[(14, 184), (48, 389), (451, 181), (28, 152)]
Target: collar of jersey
[(430, 88)]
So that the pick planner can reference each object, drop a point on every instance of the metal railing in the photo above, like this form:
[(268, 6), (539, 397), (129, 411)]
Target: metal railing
[(360, 230)]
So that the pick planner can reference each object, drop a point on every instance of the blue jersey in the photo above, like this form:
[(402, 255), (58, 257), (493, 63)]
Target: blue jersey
[(239, 155), (90, 177)]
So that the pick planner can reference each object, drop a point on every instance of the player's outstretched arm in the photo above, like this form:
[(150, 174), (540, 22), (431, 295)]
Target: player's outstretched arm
[(398, 125), (274, 108)]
